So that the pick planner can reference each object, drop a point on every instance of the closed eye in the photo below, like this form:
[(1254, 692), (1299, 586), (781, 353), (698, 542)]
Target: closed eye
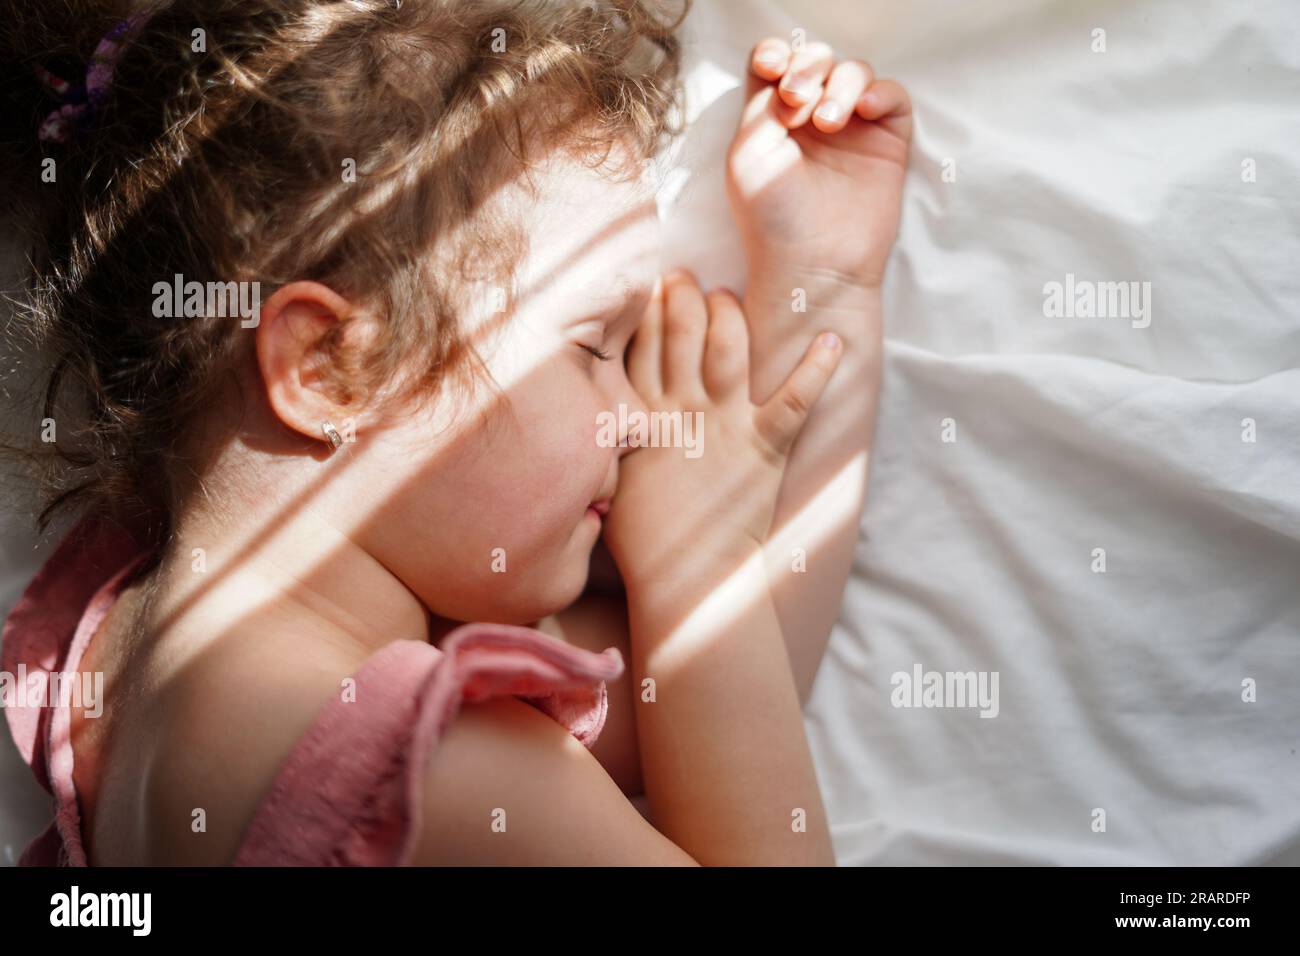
[(599, 353)]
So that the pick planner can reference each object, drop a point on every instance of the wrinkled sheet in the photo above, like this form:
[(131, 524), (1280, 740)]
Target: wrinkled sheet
[(1119, 691)]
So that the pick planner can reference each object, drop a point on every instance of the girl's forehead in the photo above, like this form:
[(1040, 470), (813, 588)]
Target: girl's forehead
[(586, 206), (591, 234)]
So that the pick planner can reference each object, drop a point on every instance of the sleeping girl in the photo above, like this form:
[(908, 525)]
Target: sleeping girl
[(333, 564)]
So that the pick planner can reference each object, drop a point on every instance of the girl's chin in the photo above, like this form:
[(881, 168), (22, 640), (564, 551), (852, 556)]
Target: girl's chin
[(569, 582), (567, 574)]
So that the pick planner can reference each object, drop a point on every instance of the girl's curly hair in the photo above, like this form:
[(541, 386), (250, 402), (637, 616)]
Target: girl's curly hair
[(222, 154)]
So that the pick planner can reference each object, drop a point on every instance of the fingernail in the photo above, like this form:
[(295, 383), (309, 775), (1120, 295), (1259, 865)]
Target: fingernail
[(802, 92), (830, 112), (829, 340), (770, 58)]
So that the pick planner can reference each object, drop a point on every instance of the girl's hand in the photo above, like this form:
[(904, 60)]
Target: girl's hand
[(701, 501), (815, 172)]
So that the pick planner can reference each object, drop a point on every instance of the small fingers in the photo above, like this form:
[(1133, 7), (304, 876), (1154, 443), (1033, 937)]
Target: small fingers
[(801, 86), (686, 321), (726, 347), (770, 58), (645, 352), (848, 81), (887, 103), (780, 419)]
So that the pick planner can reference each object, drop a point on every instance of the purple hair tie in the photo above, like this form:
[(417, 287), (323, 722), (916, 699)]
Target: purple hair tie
[(82, 101)]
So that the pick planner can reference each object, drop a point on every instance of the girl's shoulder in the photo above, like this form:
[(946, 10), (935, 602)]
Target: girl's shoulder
[(197, 755), (275, 750)]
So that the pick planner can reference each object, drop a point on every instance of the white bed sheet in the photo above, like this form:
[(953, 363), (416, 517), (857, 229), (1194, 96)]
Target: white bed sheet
[(1120, 691)]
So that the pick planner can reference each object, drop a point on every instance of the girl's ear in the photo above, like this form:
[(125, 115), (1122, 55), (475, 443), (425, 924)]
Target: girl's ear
[(294, 322)]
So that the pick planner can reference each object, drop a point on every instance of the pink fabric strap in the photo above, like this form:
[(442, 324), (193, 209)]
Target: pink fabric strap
[(351, 792), (38, 629)]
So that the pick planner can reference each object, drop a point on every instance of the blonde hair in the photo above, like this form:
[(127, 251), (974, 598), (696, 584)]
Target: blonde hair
[(227, 163)]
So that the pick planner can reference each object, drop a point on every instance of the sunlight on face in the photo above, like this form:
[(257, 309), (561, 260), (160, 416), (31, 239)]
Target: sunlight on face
[(516, 480)]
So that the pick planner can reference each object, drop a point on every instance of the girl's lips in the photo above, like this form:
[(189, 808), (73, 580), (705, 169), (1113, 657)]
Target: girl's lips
[(601, 507)]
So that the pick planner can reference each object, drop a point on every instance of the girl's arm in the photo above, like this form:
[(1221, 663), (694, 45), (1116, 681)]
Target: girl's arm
[(815, 177), (731, 779), (725, 760), (724, 757), (810, 549), (509, 786)]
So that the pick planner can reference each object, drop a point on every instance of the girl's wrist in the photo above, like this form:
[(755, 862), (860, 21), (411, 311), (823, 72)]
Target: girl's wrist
[(669, 594), (795, 290)]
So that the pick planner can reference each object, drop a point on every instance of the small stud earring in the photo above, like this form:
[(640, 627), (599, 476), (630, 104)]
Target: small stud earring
[(332, 433)]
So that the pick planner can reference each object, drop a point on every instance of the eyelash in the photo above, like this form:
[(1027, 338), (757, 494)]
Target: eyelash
[(599, 353)]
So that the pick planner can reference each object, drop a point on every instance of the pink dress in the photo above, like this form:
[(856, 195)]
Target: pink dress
[(349, 792)]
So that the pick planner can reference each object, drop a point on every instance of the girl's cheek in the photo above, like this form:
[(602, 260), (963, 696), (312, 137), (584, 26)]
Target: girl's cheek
[(575, 427), (587, 442)]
